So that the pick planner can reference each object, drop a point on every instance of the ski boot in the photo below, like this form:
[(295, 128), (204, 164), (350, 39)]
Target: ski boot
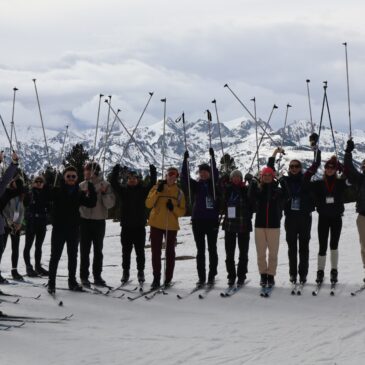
[(41, 271), (200, 283), (320, 276), (125, 277), (16, 275), (263, 280), (241, 281), (231, 282), (334, 276), (3, 280), (270, 281), (155, 284), (51, 288), (211, 280), (140, 277), (302, 280), (293, 279), (73, 285), (99, 281), (30, 272), (167, 284), (86, 283)]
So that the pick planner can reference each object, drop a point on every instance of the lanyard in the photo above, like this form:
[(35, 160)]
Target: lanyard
[(330, 188)]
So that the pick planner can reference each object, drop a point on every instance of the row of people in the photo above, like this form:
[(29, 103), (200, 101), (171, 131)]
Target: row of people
[(79, 212)]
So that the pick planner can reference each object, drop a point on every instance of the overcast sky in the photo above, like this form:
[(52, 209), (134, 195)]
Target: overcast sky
[(183, 50)]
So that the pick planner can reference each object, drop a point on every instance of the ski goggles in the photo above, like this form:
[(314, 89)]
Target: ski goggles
[(172, 173)]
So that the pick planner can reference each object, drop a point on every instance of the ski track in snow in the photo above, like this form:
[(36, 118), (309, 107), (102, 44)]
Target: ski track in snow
[(243, 329)]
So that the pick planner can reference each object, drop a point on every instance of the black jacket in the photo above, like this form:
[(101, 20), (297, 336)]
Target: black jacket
[(358, 179), (329, 196), (67, 201), (269, 201), (37, 203), (133, 211)]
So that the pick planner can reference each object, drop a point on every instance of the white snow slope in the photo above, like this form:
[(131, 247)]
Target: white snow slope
[(243, 329)]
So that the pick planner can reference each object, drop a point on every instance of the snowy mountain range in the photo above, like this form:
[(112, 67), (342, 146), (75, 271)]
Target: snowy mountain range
[(238, 136)]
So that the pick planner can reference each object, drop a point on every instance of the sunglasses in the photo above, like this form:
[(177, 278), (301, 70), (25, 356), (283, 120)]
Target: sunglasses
[(172, 173), (294, 166), (73, 177), (330, 167), (38, 181)]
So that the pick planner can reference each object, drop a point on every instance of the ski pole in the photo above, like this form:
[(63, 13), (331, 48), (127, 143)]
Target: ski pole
[(348, 88), (163, 136), (209, 114), (252, 116), (139, 120), (321, 119), (106, 133), (257, 136), (282, 140), (7, 134), (219, 127), (310, 105), (330, 119), (41, 117), (97, 126), (12, 114), (61, 155)]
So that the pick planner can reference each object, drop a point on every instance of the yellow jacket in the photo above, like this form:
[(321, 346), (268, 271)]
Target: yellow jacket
[(160, 216)]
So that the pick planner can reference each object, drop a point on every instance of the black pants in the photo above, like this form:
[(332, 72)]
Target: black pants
[(92, 233), (133, 237), (298, 230), (243, 245), (15, 242), (60, 236), (325, 226), (2, 246), (35, 230), (201, 229)]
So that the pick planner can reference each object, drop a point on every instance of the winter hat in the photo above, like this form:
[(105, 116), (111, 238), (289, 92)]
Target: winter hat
[(133, 173), (68, 169), (297, 161), (268, 170), (38, 177), (331, 162), (204, 167), (236, 173)]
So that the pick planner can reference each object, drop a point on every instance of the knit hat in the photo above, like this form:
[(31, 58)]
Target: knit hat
[(268, 170), (133, 173), (237, 173), (204, 167), (331, 162)]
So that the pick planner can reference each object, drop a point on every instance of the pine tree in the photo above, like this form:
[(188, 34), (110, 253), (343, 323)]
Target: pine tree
[(77, 158)]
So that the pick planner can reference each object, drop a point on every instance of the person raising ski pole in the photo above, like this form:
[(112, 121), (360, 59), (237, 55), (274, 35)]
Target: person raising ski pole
[(205, 215), (167, 204), (133, 217), (298, 215), (92, 224)]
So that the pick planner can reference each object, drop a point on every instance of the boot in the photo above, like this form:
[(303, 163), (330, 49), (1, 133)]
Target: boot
[(140, 277), (302, 279), (167, 284), (231, 282), (41, 271), (241, 281), (270, 280), (263, 280), (201, 283), (51, 288), (211, 280), (30, 272), (16, 275), (125, 277), (86, 283), (320, 276), (334, 276), (293, 279), (73, 285), (3, 280), (156, 283), (99, 281)]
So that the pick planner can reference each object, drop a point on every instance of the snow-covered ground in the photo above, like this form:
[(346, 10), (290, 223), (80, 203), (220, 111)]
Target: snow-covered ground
[(244, 329)]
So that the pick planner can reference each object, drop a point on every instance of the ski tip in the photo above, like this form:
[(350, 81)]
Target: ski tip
[(60, 303), (38, 296), (178, 296), (200, 296), (353, 294), (17, 301), (314, 293)]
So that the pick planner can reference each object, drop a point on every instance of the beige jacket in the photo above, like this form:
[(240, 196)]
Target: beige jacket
[(104, 201)]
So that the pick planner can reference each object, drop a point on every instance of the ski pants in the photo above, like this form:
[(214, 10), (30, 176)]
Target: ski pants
[(133, 237), (60, 236), (267, 240), (208, 228), (231, 239), (35, 230), (156, 236), (360, 221), (325, 226), (298, 233), (92, 233), (15, 243)]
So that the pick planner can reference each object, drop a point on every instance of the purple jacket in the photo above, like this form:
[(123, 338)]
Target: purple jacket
[(204, 206), (4, 181)]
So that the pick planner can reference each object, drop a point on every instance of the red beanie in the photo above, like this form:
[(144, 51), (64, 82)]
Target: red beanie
[(268, 170)]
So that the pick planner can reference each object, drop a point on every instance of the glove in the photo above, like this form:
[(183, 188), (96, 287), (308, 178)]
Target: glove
[(116, 169), (350, 146), (1, 156), (313, 139), (186, 155), (153, 169), (90, 187), (14, 158), (160, 186), (211, 151), (169, 205), (248, 177)]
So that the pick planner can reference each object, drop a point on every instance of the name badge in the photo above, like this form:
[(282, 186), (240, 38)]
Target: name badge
[(295, 203), (231, 212), (330, 200), (15, 216), (209, 202)]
